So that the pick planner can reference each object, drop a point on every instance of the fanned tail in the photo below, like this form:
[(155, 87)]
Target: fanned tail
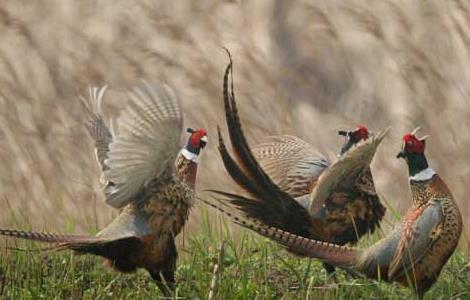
[(268, 203)]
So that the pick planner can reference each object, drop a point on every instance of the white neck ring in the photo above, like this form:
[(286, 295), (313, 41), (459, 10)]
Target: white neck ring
[(423, 175), (189, 155)]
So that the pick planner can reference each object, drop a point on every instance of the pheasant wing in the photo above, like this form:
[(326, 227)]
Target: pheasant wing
[(124, 234), (128, 223), (96, 125), (147, 144), (345, 171), (291, 163), (420, 231)]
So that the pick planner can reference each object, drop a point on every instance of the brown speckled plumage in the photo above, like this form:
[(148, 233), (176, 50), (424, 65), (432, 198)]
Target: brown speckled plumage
[(145, 177), (413, 254), (443, 237), (292, 187), (168, 210), (186, 170)]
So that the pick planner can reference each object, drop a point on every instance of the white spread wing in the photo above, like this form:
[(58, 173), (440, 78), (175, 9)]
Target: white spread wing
[(96, 124), (147, 144)]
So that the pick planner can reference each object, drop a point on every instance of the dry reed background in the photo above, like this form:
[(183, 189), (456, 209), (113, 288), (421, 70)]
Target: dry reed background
[(306, 68)]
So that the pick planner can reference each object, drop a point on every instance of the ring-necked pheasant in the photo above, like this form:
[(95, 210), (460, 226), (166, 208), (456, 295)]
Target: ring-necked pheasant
[(414, 253), (147, 178), (297, 190)]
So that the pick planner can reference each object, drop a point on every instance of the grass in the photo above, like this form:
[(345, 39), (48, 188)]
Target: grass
[(306, 68), (252, 268)]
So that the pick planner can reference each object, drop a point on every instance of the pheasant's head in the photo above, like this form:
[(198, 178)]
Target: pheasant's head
[(412, 145), (413, 152), (353, 137), (197, 141)]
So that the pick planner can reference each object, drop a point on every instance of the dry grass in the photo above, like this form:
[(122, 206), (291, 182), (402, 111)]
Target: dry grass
[(300, 68)]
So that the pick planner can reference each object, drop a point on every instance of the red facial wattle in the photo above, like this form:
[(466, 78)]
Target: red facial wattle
[(361, 133), (413, 144), (197, 138), (353, 137)]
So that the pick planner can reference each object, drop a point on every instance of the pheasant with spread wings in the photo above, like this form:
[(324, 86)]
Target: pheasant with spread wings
[(413, 253), (293, 188), (148, 178)]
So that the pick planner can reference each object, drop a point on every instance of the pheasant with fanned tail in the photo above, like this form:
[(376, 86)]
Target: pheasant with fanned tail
[(413, 254), (292, 187)]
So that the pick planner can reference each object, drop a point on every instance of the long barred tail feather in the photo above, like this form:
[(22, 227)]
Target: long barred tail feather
[(268, 202), (341, 256), (115, 249), (41, 250), (43, 236), (80, 243), (246, 160)]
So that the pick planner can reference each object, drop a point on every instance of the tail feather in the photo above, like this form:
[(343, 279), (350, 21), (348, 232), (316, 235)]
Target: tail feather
[(341, 256), (234, 170), (117, 250), (271, 205), (243, 153), (43, 236), (293, 218)]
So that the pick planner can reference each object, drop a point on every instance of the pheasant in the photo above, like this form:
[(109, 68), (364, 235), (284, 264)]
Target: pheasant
[(414, 253), (295, 189), (147, 179)]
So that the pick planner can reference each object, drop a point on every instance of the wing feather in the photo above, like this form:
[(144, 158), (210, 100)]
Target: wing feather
[(293, 164), (346, 170), (96, 124), (147, 144), (416, 240)]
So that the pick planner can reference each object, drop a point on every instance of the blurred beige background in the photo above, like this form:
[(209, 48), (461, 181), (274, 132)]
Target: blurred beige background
[(306, 68)]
